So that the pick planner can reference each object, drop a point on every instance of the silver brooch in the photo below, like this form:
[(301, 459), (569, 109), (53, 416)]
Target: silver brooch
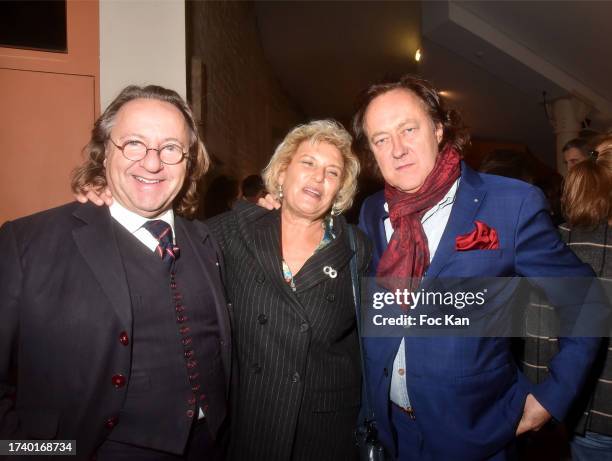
[(328, 270)]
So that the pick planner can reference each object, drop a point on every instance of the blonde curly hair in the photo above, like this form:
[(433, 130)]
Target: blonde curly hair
[(329, 131)]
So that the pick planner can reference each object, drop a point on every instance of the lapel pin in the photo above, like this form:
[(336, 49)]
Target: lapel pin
[(328, 270)]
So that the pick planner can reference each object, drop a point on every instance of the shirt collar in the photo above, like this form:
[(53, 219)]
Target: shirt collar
[(133, 221)]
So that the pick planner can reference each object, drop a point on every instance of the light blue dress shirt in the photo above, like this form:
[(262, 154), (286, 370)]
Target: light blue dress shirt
[(434, 222)]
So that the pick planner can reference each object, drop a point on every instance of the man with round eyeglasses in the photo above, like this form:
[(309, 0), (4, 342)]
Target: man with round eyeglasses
[(115, 317), (169, 154)]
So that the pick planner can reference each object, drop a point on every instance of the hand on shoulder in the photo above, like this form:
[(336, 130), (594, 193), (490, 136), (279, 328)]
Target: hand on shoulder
[(96, 196), (269, 202)]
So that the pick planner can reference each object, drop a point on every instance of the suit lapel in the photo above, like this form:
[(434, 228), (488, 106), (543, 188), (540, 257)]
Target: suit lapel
[(335, 256), (376, 214), (461, 221), (195, 238), (381, 242), (265, 234), (96, 243)]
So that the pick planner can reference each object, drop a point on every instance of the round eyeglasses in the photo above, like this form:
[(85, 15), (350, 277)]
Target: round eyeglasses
[(169, 154)]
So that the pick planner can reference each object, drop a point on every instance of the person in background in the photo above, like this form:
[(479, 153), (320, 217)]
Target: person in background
[(121, 340), (509, 163), (220, 195), (575, 151), (521, 165), (253, 188), (587, 204)]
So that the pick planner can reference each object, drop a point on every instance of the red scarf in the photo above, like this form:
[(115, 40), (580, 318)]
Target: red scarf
[(407, 255)]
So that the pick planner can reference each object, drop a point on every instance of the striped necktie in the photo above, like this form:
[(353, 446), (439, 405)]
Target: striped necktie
[(166, 250)]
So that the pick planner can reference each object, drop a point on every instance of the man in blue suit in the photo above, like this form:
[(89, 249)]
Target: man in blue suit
[(455, 398)]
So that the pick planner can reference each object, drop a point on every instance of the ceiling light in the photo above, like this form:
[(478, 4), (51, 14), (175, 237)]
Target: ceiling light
[(449, 95), (417, 55)]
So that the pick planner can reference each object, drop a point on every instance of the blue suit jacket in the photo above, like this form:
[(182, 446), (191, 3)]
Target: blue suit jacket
[(467, 392)]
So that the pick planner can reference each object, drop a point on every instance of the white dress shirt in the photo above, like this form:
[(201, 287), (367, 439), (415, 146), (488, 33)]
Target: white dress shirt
[(434, 222), (133, 222)]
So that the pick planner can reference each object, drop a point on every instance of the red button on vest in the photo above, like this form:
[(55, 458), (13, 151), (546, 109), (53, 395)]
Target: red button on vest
[(123, 338), (118, 380), (111, 422)]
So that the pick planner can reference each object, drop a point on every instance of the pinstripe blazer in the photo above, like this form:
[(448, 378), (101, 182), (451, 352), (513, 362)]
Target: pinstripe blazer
[(297, 353)]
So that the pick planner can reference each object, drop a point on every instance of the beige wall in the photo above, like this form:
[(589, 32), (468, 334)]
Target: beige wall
[(245, 112), (141, 42), (49, 103)]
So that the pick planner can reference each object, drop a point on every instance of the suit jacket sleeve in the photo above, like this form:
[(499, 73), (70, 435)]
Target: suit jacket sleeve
[(540, 253), (367, 223), (364, 251), (11, 276), (364, 222)]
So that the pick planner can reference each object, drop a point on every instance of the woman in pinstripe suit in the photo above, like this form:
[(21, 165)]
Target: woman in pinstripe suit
[(289, 281)]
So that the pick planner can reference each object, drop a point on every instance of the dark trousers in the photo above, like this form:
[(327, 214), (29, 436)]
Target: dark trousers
[(200, 447)]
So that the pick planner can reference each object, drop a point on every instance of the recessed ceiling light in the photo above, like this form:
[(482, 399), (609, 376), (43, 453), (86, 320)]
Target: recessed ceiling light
[(449, 95)]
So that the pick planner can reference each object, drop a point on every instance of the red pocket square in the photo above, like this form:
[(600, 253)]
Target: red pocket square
[(481, 238)]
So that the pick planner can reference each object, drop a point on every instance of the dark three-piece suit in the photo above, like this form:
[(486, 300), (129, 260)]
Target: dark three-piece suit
[(95, 344)]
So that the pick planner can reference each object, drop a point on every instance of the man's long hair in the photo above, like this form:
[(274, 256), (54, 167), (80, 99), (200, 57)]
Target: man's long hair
[(455, 132)]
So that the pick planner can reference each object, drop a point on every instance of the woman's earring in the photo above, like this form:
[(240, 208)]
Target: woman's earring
[(280, 191), (335, 211)]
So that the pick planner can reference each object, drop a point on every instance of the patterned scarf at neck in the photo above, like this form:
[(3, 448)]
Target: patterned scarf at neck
[(406, 258)]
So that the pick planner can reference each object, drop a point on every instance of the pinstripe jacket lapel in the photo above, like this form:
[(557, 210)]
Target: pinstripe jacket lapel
[(263, 229), (264, 232), (335, 256)]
